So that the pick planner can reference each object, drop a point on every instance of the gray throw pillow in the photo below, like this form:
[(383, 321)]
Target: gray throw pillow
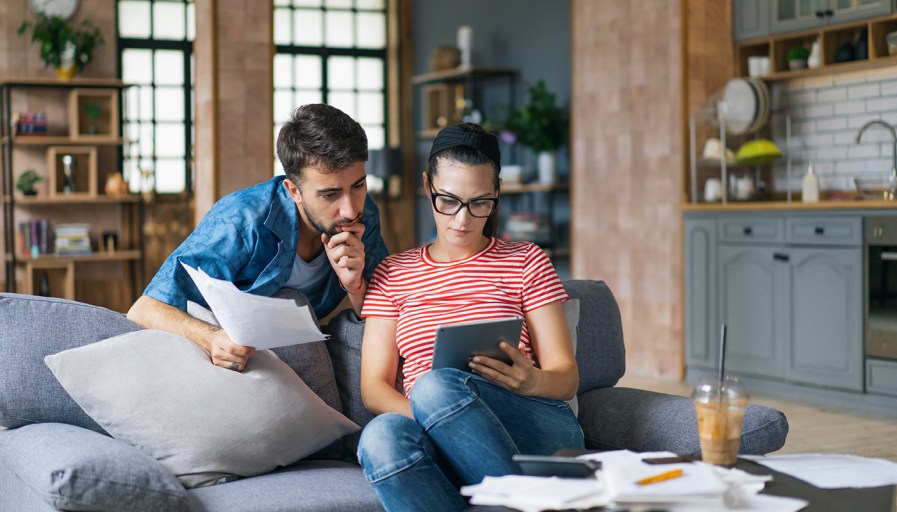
[(206, 424), (571, 315), (72, 468)]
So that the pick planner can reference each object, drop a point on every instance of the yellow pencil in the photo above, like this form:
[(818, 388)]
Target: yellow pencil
[(676, 473)]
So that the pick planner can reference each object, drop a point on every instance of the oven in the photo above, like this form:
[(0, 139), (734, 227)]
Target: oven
[(880, 248)]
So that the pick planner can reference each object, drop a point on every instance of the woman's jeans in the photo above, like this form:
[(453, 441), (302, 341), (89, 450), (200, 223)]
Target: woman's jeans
[(464, 428)]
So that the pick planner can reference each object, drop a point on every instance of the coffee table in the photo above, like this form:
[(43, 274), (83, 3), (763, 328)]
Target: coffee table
[(872, 499)]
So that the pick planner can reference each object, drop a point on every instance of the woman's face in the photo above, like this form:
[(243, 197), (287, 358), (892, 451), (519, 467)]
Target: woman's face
[(465, 183)]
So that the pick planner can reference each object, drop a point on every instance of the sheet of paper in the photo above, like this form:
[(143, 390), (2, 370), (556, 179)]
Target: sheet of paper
[(533, 493), (829, 471), (252, 320), (755, 503)]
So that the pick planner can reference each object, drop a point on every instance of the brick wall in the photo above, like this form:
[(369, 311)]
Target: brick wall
[(826, 113)]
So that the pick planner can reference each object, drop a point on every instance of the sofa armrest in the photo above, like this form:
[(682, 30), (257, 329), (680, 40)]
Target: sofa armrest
[(72, 468), (634, 419)]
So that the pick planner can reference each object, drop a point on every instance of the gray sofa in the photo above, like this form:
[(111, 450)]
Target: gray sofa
[(53, 456)]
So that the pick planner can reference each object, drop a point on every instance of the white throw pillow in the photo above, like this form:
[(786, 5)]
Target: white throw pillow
[(207, 424)]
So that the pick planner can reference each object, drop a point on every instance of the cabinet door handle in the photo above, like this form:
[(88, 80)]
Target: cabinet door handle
[(820, 14), (889, 256), (747, 231), (829, 12), (819, 230), (781, 257)]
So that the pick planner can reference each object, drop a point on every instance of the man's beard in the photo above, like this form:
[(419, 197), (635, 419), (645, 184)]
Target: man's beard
[(331, 230)]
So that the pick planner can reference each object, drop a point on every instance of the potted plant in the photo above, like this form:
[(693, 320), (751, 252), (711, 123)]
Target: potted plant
[(65, 47), (26, 181), (541, 126), (797, 57)]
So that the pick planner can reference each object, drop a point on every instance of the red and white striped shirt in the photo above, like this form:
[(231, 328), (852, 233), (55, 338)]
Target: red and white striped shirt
[(504, 279)]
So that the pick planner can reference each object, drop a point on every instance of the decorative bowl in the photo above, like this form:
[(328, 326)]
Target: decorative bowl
[(876, 188)]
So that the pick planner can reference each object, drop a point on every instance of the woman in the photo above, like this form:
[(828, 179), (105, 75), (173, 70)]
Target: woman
[(453, 427)]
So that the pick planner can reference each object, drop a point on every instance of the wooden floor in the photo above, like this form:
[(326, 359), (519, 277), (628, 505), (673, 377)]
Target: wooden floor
[(812, 429)]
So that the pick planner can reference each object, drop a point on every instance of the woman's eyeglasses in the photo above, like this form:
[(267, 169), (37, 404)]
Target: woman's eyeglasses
[(450, 205)]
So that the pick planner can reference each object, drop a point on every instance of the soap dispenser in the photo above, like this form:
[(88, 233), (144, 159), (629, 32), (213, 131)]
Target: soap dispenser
[(810, 186)]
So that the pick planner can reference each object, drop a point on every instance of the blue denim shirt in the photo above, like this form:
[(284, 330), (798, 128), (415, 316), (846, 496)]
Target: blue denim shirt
[(249, 238)]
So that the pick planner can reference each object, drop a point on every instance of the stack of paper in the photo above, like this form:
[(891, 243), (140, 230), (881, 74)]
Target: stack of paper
[(252, 320), (622, 470), (534, 493), (832, 471)]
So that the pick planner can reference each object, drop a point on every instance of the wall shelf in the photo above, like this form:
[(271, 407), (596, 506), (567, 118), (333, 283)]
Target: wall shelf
[(831, 37)]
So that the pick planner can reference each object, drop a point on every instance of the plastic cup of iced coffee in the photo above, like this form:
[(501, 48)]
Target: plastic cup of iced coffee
[(720, 410)]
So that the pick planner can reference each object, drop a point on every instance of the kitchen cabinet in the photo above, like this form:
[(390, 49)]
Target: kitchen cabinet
[(750, 19), (701, 327), (796, 15), (789, 288)]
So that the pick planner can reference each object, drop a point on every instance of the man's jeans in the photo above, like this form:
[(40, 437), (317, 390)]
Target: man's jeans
[(464, 428)]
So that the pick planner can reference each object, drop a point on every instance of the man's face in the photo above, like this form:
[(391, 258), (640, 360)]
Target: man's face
[(329, 201)]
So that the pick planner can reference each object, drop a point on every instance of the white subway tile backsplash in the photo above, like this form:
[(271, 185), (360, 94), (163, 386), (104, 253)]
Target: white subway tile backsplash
[(835, 123), (850, 107), (832, 95), (826, 113), (863, 91), (881, 104)]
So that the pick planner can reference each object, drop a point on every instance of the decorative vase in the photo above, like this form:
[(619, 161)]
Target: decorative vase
[(66, 73), (814, 59), (547, 167)]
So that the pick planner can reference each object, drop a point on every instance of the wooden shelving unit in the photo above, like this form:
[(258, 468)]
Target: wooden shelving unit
[(100, 100), (831, 37)]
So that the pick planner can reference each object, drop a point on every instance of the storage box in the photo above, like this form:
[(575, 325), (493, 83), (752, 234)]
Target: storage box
[(72, 170), (93, 114)]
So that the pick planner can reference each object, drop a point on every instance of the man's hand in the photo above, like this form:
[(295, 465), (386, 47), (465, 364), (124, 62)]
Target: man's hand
[(227, 354), (346, 254), (520, 376)]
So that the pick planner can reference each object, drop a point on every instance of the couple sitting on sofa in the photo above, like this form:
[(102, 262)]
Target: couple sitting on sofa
[(317, 232)]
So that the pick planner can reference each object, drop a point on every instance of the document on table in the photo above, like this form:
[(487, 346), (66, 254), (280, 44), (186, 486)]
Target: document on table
[(831, 471), (252, 320), (536, 493)]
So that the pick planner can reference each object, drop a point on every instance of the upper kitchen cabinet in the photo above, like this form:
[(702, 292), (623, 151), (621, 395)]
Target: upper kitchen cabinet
[(750, 19), (797, 15)]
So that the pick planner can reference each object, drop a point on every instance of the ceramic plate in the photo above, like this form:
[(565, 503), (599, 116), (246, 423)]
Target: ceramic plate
[(763, 107), (740, 106)]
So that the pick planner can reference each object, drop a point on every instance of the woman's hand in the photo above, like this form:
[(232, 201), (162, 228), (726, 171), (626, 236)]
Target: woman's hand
[(520, 376)]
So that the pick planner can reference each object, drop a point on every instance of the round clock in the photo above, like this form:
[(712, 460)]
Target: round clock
[(64, 9)]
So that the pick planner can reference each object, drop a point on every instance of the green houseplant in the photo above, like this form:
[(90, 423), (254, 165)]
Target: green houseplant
[(26, 181), (541, 126), (797, 57), (65, 47)]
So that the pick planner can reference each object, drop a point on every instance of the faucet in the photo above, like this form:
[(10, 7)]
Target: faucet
[(893, 133)]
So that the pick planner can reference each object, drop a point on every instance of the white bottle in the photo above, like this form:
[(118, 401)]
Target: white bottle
[(810, 186), (814, 60)]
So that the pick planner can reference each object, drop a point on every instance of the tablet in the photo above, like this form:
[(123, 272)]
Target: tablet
[(455, 343)]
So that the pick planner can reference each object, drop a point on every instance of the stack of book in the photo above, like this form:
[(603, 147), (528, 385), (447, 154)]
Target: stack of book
[(529, 226), (34, 238), (72, 239), (30, 123)]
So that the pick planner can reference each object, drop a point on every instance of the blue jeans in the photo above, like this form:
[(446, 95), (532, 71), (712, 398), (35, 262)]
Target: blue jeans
[(464, 428)]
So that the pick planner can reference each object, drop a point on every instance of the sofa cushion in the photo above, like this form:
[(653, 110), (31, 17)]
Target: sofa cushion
[(32, 328), (206, 424), (646, 421), (308, 485), (602, 361), (72, 468), (346, 332), (571, 316)]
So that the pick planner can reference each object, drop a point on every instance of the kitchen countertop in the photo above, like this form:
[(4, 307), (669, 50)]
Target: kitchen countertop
[(739, 206)]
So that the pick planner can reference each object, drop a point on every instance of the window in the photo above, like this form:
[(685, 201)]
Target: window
[(334, 52), (155, 42)]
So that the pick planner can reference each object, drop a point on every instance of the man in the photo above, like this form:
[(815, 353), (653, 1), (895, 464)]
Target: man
[(314, 230)]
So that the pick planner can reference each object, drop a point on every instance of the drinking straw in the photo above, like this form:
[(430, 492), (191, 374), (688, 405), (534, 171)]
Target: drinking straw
[(722, 355)]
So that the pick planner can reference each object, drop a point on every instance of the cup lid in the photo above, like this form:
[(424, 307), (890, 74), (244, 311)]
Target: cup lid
[(708, 389)]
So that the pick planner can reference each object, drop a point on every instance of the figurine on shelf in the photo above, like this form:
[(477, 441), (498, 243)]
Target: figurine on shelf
[(116, 185), (68, 170)]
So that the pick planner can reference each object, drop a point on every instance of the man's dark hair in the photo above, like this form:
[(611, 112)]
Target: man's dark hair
[(320, 136)]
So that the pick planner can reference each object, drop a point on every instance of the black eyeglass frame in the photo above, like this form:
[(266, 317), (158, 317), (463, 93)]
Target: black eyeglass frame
[(434, 195)]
